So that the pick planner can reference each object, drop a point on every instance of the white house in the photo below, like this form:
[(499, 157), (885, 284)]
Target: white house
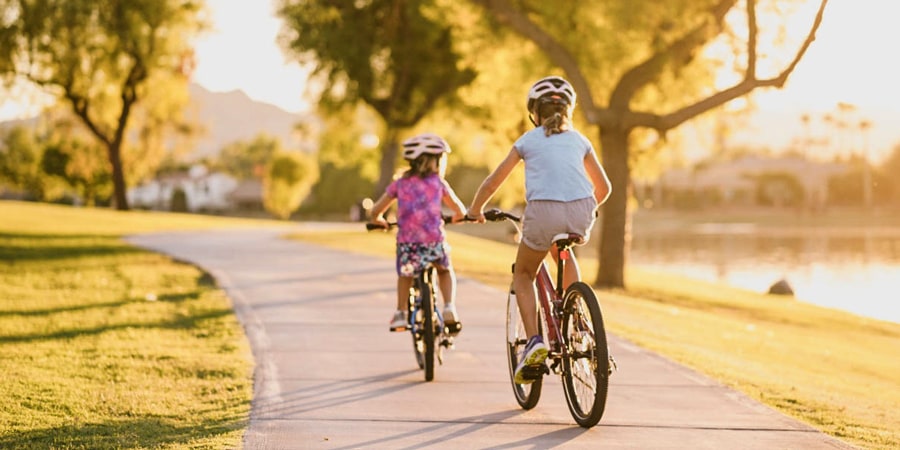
[(203, 191)]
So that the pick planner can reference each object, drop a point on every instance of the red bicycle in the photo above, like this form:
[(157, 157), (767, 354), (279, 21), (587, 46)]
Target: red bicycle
[(572, 326)]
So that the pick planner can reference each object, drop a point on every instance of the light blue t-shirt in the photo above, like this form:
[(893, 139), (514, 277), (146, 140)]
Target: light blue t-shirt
[(554, 165)]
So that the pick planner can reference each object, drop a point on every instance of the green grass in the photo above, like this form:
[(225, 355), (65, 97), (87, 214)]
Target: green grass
[(103, 345), (833, 370)]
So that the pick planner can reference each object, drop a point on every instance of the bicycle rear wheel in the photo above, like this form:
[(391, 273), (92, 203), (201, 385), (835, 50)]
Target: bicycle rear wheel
[(586, 367), (527, 395), (427, 329), (415, 314)]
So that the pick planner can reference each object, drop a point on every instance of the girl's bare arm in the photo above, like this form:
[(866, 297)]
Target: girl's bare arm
[(378, 209), (595, 172), (452, 200), (493, 182)]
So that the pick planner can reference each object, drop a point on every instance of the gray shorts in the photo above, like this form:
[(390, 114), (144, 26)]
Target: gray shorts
[(544, 219)]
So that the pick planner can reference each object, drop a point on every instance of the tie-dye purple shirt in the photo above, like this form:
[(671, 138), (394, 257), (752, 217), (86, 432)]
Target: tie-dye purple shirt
[(419, 208)]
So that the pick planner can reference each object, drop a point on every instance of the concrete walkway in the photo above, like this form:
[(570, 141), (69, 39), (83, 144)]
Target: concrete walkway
[(329, 375)]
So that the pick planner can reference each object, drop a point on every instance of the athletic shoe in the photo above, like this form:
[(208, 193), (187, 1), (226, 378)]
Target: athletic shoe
[(400, 321), (535, 355)]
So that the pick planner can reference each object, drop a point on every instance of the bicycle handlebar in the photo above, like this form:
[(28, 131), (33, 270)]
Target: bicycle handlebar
[(496, 215), (377, 226), (491, 215)]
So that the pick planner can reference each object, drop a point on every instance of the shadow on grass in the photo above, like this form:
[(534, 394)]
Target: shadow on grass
[(204, 279), (184, 322), (35, 247), (136, 433)]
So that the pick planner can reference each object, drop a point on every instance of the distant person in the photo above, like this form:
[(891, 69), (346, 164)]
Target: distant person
[(419, 193), (564, 184)]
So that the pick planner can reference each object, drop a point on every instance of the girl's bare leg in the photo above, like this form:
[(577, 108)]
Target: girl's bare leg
[(447, 284), (403, 285), (527, 263)]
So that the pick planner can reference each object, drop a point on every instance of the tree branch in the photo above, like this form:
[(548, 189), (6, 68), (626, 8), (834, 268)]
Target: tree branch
[(681, 51), (663, 123), (508, 15)]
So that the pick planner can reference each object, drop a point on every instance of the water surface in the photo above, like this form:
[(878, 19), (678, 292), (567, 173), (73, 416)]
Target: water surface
[(856, 270)]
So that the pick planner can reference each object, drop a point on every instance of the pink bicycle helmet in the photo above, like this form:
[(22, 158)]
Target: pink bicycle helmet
[(424, 143)]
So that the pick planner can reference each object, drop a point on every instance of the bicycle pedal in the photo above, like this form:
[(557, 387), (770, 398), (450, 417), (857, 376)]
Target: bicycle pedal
[(396, 329), (448, 343), (535, 371), (453, 328)]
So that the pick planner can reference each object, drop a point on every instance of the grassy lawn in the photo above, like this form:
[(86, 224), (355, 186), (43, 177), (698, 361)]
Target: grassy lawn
[(103, 345), (833, 370)]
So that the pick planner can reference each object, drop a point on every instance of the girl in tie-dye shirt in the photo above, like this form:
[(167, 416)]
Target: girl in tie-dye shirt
[(420, 192)]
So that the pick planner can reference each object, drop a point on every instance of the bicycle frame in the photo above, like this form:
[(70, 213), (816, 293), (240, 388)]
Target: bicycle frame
[(424, 280), (550, 297)]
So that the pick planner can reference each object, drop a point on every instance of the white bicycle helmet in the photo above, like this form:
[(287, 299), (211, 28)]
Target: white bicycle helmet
[(552, 85), (424, 143)]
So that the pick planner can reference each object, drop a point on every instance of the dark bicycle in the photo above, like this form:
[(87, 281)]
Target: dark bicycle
[(572, 326), (430, 334)]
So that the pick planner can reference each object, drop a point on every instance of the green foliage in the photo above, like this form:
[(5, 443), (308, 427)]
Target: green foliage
[(398, 57), (387, 53), (100, 58), (20, 162), (179, 202), (288, 180), (347, 159), (246, 160), (81, 164)]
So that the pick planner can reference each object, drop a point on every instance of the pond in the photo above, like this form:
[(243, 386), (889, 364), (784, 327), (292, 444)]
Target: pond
[(855, 269)]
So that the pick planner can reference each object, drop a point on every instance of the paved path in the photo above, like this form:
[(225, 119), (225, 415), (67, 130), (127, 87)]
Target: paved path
[(330, 376)]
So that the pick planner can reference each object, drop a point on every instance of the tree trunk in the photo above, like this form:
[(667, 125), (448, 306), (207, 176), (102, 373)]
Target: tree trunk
[(616, 232), (388, 160), (118, 178)]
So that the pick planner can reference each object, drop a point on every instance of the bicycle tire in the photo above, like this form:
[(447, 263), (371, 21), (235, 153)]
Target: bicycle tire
[(415, 314), (527, 395), (586, 364), (428, 335)]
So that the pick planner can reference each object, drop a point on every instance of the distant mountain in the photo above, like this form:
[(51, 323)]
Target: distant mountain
[(226, 117), (233, 116)]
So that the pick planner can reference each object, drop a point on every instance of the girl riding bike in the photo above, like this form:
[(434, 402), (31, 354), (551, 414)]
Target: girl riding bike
[(564, 185), (419, 193)]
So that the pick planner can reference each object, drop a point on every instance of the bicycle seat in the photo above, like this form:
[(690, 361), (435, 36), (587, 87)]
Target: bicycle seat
[(568, 239)]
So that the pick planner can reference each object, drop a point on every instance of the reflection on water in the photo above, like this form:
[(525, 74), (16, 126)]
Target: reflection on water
[(857, 273)]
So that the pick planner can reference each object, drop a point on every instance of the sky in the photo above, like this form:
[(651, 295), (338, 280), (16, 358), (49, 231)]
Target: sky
[(240, 53), (850, 62)]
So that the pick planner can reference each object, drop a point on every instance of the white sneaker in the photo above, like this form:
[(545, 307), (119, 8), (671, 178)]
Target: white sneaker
[(400, 321), (450, 314)]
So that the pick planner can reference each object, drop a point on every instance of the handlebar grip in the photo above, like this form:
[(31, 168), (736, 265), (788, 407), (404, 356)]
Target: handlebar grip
[(377, 226), (496, 215)]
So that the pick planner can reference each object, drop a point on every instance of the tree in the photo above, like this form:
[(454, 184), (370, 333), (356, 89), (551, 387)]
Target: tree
[(396, 56), (247, 160), (99, 58), (80, 165), (20, 162), (347, 158), (644, 55), (288, 180)]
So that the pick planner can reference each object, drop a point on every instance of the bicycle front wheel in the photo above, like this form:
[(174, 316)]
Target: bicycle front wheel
[(527, 395), (586, 366), (427, 327)]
